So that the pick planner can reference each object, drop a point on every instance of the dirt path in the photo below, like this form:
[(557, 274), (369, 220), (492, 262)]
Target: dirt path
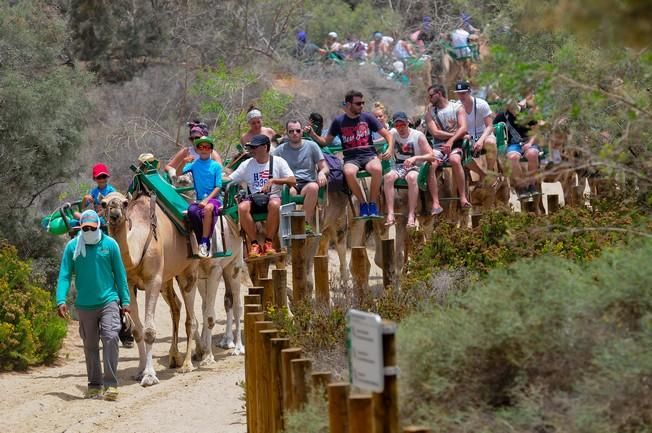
[(50, 399)]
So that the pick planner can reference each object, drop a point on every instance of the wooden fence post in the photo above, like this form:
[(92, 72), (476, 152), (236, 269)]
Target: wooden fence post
[(268, 292), (280, 284), (269, 394), (300, 371), (250, 366), (252, 300), (287, 355), (322, 289), (389, 263), (338, 411), (553, 203), (257, 290), (360, 268), (276, 397), (299, 278), (360, 416), (260, 361), (386, 403)]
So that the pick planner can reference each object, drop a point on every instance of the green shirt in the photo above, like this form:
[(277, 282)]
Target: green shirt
[(100, 277)]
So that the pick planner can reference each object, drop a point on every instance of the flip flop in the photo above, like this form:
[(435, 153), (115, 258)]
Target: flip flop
[(436, 211), (467, 205), (411, 224), (390, 222)]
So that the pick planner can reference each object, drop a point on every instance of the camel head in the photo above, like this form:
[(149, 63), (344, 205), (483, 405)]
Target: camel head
[(115, 208)]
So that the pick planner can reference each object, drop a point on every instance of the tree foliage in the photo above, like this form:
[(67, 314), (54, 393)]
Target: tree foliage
[(41, 120)]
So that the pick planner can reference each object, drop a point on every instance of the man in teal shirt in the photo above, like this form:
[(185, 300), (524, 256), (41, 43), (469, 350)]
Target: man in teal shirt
[(101, 283)]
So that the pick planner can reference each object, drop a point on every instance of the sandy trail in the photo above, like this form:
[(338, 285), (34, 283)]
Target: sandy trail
[(50, 399)]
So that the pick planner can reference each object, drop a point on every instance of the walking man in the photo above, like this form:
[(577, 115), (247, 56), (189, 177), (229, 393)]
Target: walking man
[(101, 282)]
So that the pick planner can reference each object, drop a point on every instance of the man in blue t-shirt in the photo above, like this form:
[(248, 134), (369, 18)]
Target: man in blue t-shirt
[(354, 129)]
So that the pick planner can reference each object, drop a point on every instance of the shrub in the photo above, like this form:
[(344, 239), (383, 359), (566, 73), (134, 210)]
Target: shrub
[(502, 237), (546, 344), (30, 331)]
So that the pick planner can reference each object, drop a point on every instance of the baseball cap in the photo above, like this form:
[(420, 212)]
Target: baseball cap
[(259, 140), (378, 36), (400, 116), (100, 169), (333, 35), (89, 218), (204, 139), (462, 86)]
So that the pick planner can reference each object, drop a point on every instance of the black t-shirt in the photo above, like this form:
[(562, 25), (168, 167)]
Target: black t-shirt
[(355, 133), (510, 120)]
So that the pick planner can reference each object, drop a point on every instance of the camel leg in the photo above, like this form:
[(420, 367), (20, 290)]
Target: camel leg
[(137, 331), (231, 277), (152, 291), (187, 284), (340, 247), (207, 286), (171, 298)]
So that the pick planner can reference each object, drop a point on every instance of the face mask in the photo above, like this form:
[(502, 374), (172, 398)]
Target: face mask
[(91, 238)]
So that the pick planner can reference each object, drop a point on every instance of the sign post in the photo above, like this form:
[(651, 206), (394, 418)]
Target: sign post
[(365, 350)]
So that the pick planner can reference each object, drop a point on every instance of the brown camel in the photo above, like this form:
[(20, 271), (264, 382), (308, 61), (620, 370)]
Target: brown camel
[(153, 252)]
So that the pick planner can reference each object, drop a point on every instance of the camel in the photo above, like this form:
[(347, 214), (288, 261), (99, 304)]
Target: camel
[(210, 273), (153, 252)]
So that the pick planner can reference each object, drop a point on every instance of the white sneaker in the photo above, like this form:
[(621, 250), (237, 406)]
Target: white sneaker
[(203, 250)]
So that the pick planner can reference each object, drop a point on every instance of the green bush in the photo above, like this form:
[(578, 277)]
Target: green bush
[(502, 237), (546, 344), (30, 331)]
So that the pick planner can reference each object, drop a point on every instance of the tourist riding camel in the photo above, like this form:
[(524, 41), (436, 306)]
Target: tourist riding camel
[(255, 121)]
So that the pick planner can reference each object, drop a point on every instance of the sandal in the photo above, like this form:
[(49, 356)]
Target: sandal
[(411, 224), (436, 211), (390, 221), (467, 205)]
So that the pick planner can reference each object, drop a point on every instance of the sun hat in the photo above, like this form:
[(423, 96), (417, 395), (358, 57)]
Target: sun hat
[(89, 218), (100, 169)]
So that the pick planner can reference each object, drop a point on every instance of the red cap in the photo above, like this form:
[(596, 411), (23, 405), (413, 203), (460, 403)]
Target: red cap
[(100, 169)]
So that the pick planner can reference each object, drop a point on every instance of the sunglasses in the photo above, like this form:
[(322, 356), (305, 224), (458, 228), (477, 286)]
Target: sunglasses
[(204, 147), (359, 103), (296, 131), (88, 228)]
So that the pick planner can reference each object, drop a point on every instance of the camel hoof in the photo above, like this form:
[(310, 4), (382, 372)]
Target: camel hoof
[(149, 380), (208, 360), (226, 343), (238, 349), (175, 361), (186, 368)]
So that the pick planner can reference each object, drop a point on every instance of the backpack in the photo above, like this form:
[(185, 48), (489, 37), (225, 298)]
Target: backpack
[(335, 173)]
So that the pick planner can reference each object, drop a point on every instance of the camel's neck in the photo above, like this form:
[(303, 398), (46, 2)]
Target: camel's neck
[(119, 233)]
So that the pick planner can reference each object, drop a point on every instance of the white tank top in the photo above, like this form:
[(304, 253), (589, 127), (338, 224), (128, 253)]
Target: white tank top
[(407, 147)]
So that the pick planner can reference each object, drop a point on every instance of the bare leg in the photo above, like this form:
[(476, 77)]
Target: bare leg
[(350, 173), (458, 172), (208, 219), (375, 169), (413, 195), (246, 220), (433, 186), (517, 172), (310, 192), (389, 191), (273, 216)]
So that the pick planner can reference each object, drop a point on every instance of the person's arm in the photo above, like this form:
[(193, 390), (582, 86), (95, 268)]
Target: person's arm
[(390, 143), (120, 275), (321, 141), (488, 129), (434, 130), (461, 130), (322, 173), (65, 274), (177, 161)]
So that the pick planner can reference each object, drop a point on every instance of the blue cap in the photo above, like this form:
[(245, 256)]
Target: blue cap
[(89, 218)]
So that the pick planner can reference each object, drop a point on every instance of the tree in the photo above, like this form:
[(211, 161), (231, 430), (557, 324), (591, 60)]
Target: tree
[(42, 108)]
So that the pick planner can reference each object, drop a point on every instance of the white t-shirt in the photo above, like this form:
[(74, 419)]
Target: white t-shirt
[(256, 175), (479, 111), (460, 38), (407, 147), (445, 119)]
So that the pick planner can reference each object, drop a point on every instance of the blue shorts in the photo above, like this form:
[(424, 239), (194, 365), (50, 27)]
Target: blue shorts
[(359, 157), (519, 148)]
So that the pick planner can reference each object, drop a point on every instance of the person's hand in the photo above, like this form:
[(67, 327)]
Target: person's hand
[(409, 162), (172, 173), (308, 129), (386, 154), (446, 147), (125, 309), (62, 310), (267, 187), (477, 147), (203, 203), (321, 179)]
